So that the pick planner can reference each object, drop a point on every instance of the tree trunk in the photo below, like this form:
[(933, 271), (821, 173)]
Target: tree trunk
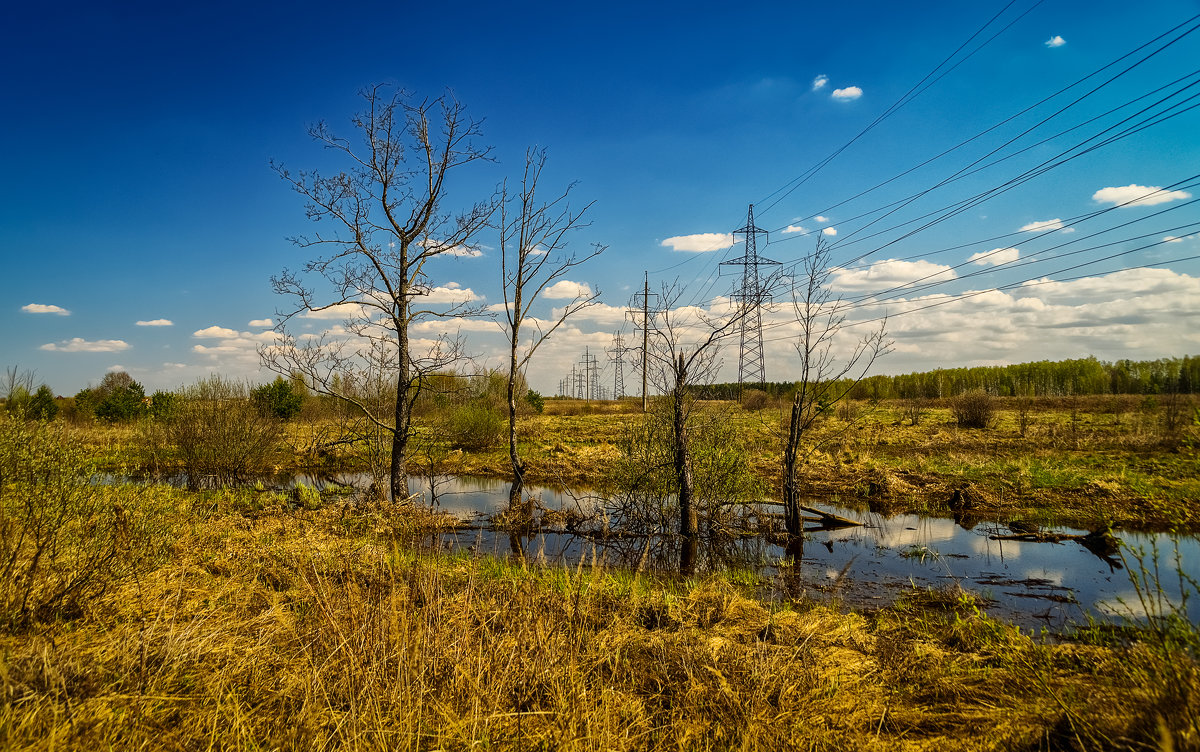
[(791, 474), (399, 468), (688, 524), (403, 422)]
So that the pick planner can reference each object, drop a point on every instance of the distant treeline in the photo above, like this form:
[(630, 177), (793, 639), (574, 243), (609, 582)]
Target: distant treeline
[(1038, 379)]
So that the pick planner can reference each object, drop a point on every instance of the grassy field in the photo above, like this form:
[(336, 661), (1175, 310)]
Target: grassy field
[(265, 626), (150, 617)]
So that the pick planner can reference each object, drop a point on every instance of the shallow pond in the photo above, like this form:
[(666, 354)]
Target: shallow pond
[(1034, 584)]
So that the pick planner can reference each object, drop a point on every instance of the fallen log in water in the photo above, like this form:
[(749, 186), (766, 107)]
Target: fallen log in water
[(1101, 542), (831, 519)]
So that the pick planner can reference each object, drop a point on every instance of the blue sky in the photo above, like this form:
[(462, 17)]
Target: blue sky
[(136, 189)]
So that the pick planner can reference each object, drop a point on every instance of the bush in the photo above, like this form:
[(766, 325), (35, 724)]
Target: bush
[(475, 427), (755, 399), (163, 404), (120, 398), (535, 401), (221, 438), (974, 409), (279, 399), (42, 405), (64, 541)]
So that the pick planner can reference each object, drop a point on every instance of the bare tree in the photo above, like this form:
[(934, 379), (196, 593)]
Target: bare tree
[(825, 378), (533, 256), (684, 348), (387, 222)]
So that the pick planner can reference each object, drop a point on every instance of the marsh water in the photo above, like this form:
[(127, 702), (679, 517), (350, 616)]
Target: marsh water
[(1033, 584)]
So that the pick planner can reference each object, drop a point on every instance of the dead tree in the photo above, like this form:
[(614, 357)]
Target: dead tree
[(533, 257), (386, 221), (825, 377), (684, 345)]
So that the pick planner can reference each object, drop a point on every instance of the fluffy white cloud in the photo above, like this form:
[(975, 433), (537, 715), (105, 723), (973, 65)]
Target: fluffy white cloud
[(996, 256), (820, 82), (822, 220), (848, 94), (889, 273), (567, 290), (792, 229), (215, 332), (830, 231), (1055, 41), (156, 322), (1171, 239), (259, 323), (1137, 195), (701, 242), (78, 344), (1046, 224), (339, 311), (43, 308), (451, 293)]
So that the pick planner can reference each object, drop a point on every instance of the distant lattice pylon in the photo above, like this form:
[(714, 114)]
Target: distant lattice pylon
[(752, 368), (616, 354)]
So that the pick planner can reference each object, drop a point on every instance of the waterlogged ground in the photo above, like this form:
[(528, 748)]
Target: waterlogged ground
[(1033, 584)]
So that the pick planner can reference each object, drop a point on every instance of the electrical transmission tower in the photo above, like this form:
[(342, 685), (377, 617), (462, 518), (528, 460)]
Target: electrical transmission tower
[(616, 354), (590, 375), (752, 368), (642, 300)]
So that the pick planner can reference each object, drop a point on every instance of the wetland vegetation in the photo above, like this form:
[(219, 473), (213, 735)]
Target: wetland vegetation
[(229, 614)]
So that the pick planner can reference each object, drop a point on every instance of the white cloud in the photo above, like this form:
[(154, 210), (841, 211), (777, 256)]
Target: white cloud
[(567, 290), (830, 231), (1046, 224), (995, 257), (464, 252), (115, 368), (822, 220), (1171, 239), (1055, 41), (259, 323), (848, 94), (42, 308), (820, 82), (451, 293), (701, 242), (792, 229), (339, 311), (78, 344), (889, 273), (215, 332), (1137, 195), (156, 322)]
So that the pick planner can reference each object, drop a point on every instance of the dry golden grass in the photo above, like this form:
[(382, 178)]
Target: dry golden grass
[(293, 629)]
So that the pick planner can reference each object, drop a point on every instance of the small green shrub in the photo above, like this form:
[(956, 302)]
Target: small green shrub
[(279, 399), (974, 409), (163, 405), (42, 405), (535, 401), (475, 427)]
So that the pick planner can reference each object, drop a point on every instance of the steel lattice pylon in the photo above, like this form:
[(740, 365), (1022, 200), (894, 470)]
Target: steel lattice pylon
[(752, 368)]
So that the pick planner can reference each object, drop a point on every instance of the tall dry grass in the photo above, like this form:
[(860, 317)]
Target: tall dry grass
[(286, 631)]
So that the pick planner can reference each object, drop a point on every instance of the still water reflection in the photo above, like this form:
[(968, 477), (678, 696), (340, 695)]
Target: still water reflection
[(1034, 584)]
